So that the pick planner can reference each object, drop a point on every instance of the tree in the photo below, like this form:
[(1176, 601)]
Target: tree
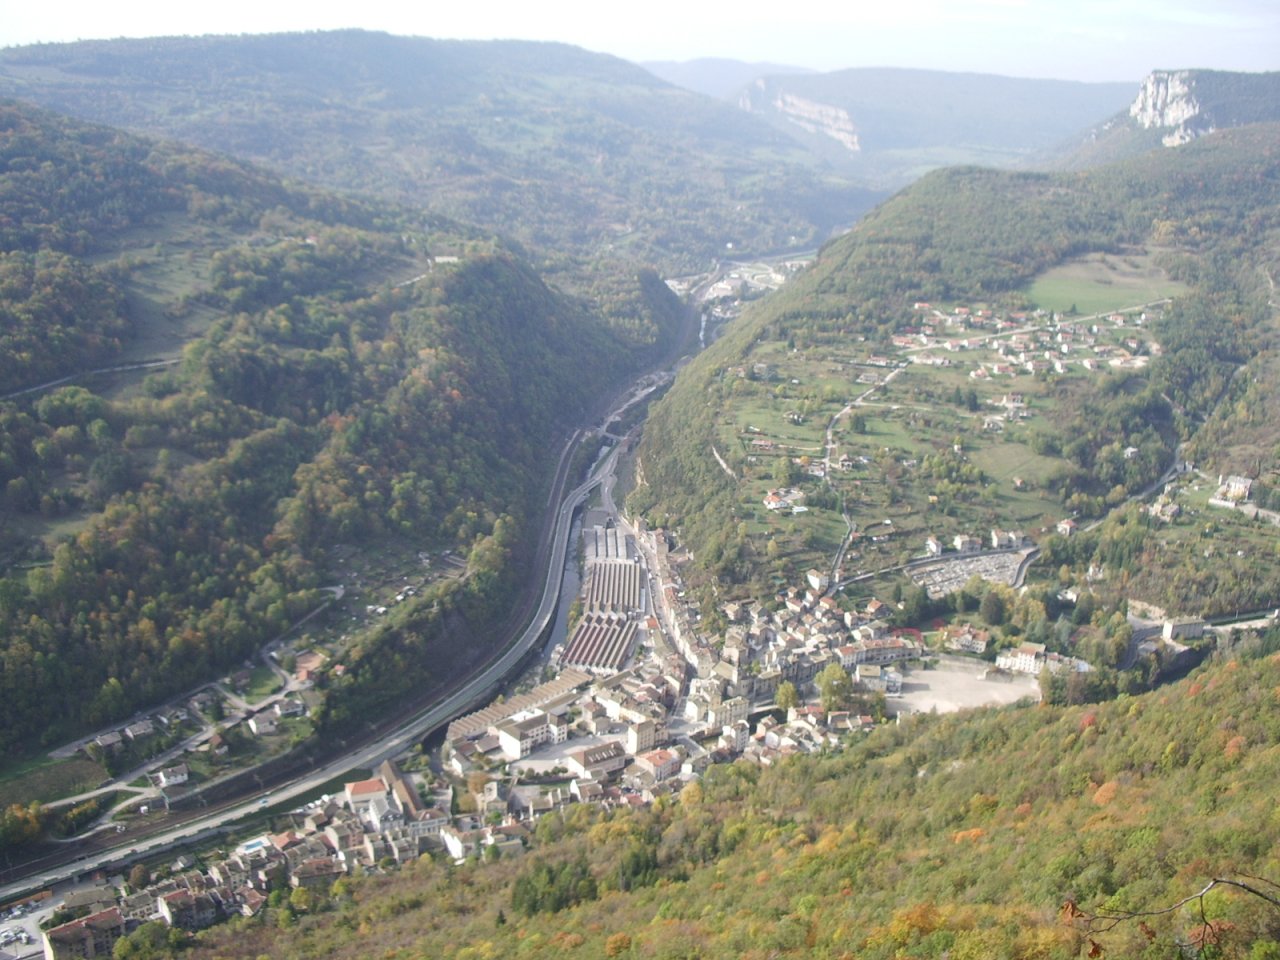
[(785, 471), (302, 900), (786, 697), (992, 608), (1206, 938), (139, 876), (835, 687)]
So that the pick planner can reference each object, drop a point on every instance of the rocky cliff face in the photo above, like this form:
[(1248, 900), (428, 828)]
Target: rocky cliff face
[(813, 117), (1167, 100)]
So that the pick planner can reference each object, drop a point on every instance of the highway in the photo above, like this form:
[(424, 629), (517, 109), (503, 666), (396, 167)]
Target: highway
[(471, 693)]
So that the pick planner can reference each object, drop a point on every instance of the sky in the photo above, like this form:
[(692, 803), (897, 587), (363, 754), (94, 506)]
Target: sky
[(1096, 40)]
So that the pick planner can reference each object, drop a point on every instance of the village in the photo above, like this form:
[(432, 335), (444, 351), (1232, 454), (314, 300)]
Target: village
[(638, 701)]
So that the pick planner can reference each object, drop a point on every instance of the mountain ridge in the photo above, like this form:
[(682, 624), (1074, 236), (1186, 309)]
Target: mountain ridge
[(1173, 108)]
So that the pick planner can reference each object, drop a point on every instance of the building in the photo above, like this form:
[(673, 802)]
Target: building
[(91, 936), (1027, 658), (187, 910), (174, 776), (641, 736), (139, 730), (660, 764), (359, 795), (598, 762), (1183, 628), (263, 724), (523, 733)]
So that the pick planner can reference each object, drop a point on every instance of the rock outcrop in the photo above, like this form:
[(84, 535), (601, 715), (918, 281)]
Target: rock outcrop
[(1167, 100), (822, 119)]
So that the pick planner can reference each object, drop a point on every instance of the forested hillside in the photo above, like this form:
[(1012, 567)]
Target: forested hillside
[(322, 379), (578, 156), (1209, 213), (996, 833)]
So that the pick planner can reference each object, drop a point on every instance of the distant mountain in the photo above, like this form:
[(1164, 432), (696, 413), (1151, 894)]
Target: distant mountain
[(566, 151), (1174, 107), (716, 77), (891, 125)]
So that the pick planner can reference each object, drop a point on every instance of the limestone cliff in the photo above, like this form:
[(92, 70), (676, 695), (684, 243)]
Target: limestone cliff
[(809, 115), (1167, 100)]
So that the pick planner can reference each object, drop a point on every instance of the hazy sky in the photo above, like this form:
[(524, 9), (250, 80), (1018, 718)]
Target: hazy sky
[(1068, 39)]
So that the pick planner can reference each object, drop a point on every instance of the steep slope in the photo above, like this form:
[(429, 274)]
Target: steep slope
[(320, 377), (961, 237), (1173, 107), (564, 150), (961, 837), (894, 124)]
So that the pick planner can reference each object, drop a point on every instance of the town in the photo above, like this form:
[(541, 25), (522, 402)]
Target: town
[(635, 703)]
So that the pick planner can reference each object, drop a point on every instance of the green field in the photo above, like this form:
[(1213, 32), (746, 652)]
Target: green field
[(45, 780), (1102, 283), (262, 683)]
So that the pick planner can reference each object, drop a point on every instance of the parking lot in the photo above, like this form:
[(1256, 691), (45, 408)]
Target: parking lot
[(19, 938), (956, 683)]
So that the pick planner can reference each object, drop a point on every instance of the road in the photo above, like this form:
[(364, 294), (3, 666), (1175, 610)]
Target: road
[(553, 545), (473, 691)]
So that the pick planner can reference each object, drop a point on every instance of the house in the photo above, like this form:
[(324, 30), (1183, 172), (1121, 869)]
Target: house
[(870, 676), (428, 823), (289, 707), (461, 843), (933, 547), (967, 640), (1066, 527), (173, 776), (262, 725), (586, 790), (660, 764), (359, 795), (1006, 539), (966, 544), (318, 873), (818, 581), (308, 663), (143, 728), (250, 900), (109, 741), (1027, 658), (1235, 488), (91, 936)]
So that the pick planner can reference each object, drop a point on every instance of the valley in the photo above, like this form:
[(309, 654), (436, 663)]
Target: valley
[(909, 555)]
